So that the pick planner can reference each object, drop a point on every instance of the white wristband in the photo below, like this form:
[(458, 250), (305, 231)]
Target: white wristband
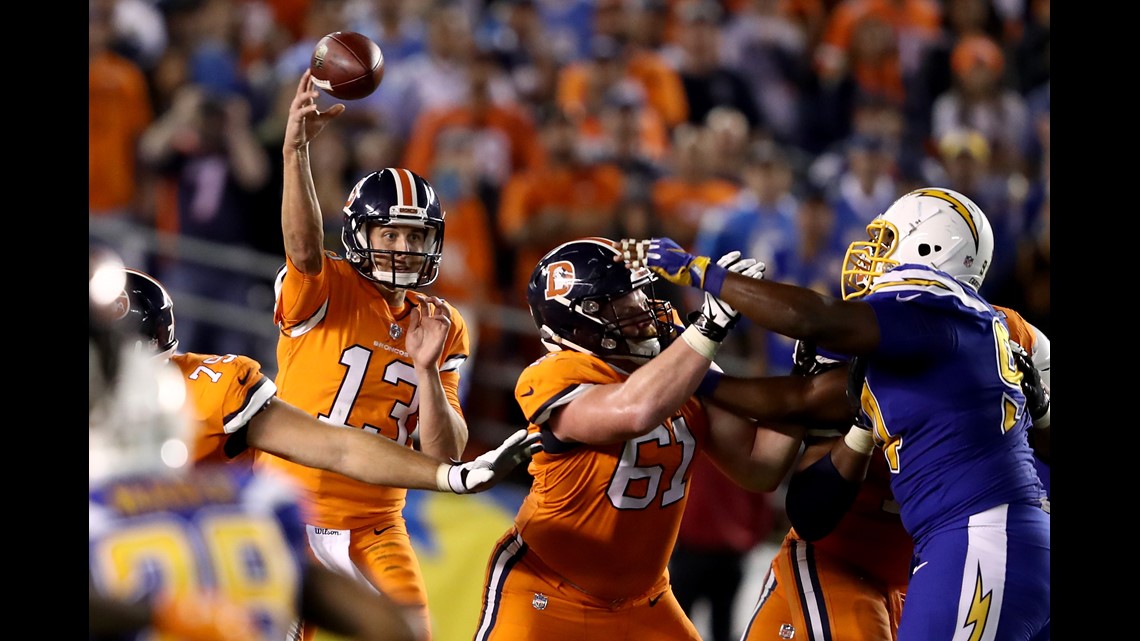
[(859, 440), (1043, 422), (441, 474), (700, 343)]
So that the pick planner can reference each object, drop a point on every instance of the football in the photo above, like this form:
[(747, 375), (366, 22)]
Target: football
[(347, 65)]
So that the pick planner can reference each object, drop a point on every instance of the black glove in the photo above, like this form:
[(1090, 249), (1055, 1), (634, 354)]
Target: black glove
[(805, 361), (1036, 393), (856, 376)]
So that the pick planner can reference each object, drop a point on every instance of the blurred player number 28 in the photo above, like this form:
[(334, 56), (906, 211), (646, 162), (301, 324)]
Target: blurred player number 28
[(347, 65)]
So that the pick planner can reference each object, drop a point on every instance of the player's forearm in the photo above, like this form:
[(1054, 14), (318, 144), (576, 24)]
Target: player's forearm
[(655, 390), (802, 313), (443, 432), (381, 461), (302, 225)]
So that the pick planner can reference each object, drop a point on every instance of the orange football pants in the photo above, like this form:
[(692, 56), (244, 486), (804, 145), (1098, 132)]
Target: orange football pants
[(525, 600)]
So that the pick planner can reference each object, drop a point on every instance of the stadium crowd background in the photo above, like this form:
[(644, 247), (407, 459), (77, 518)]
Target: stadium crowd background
[(777, 127)]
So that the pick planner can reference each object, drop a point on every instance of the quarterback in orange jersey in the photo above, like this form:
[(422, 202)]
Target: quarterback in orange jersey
[(350, 352), (614, 403)]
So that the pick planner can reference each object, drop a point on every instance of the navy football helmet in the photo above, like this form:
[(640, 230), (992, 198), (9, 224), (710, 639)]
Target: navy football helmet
[(394, 196), (146, 313), (571, 294)]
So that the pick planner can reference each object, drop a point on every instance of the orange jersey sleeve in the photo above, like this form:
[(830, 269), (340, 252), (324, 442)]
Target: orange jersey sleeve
[(224, 393), (1019, 330), (605, 517), (341, 357)]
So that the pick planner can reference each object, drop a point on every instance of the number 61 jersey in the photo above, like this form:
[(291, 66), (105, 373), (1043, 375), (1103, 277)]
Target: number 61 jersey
[(605, 517), (217, 528)]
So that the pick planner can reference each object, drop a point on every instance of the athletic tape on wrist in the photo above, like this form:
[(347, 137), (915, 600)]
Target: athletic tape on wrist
[(1043, 421), (441, 474), (700, 343), (859, 440)]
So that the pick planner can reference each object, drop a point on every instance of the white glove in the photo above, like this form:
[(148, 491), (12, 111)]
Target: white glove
[(717, 313), (490, 467)]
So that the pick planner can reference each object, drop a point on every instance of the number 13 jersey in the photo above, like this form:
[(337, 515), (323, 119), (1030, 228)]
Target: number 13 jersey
[(341, 357)]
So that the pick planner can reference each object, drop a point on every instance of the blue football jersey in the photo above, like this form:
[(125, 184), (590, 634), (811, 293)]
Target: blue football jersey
[(215, 529), (944, 395)]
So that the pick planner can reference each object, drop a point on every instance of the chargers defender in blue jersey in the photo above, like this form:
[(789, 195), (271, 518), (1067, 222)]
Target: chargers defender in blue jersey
[(211, 553), (943, 397)]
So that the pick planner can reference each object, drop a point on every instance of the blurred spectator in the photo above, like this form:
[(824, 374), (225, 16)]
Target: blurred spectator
[(967, 157), (707, 81), (515, 32), (911, 26), (730, 136), (662, 87), (211, 169), (761, 224), (933, 76), (722, 524), (647, 22), (690, 193), (118, 112), (565, 199), (506, 139), (623, 140), (1031, 55), (769, 49), (140, 30), (467, 269), (607, 85), (865, 187), (981, 100), (436, 78), (397, 30), (868, 48)]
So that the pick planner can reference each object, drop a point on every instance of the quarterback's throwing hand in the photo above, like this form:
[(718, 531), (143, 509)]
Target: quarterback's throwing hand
[(491, 467)]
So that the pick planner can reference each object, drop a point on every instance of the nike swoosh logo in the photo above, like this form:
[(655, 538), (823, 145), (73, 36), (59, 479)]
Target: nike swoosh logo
[(243, 379), (906, 298), (653, 601), (528, 392), (381, 531), (918, 567)]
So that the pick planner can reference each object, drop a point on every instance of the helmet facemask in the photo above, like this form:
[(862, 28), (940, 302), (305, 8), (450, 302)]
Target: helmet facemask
[(394, 197), (382, 265), (867, 259)]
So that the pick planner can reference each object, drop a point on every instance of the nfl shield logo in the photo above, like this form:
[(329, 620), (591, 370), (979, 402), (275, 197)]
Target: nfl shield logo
[(787, 631), (395, 332), (539, 601)]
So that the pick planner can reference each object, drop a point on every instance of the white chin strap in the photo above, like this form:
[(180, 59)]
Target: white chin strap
[(648, 347), (403, 279)]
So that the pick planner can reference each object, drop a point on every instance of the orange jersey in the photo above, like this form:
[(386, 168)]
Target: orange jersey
[(224, 393), (341, 357), (604, 517)]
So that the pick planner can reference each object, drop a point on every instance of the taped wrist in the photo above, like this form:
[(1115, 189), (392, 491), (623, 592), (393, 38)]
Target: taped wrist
[(859, 439), (817, 499), (449, 478), (700, 343), (1041, 422)]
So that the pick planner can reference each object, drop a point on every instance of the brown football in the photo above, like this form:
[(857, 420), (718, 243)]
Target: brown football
[(347, 65)]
